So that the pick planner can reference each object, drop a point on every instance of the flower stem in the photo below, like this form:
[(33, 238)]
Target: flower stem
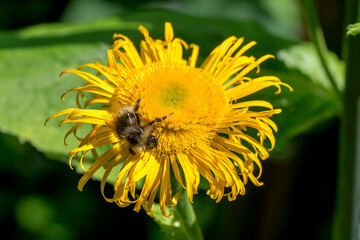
[(347, 208), (319, 41), (349, 159), (185, 213)]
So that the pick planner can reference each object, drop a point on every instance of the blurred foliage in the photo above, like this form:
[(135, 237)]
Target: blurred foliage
[(39, 199), (33, 213), (284, 20)]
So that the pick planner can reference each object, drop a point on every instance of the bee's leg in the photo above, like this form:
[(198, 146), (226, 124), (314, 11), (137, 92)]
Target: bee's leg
[(137, 104), (160, 119), (157, 139), (131, 151)]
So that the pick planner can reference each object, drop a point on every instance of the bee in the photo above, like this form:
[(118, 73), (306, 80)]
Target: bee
[(128, 126)]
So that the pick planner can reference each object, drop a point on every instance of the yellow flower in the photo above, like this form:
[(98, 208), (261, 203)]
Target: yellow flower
[(200, 126)]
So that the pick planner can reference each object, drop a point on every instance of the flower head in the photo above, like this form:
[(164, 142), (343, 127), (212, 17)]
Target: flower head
[(164, 118)]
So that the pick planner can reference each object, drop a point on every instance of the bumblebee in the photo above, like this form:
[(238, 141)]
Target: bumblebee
[(129, 126)]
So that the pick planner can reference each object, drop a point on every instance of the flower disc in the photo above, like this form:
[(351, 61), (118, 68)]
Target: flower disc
[(197, 101)]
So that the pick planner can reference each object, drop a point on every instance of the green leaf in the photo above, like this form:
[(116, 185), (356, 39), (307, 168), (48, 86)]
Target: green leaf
[(30, 91), (313, 100), (170, 225), (304, 58), (32, 58)]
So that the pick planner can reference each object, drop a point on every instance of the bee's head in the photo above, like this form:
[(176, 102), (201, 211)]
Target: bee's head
[(152, 142)]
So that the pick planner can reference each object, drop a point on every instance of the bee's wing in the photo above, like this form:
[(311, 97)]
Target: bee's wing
[(131, 117)]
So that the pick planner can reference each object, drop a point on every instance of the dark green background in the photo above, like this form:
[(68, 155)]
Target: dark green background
[(38, 196)]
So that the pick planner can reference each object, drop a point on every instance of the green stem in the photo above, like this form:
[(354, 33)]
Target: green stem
[(184, 212), (349, 142), (347, 207), (319, 41)]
